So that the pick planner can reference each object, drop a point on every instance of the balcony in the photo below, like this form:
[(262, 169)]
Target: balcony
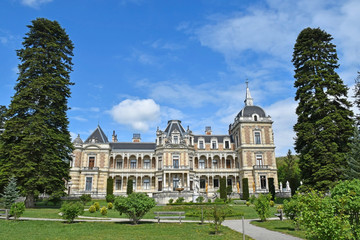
[(90, 169), (261, 167)]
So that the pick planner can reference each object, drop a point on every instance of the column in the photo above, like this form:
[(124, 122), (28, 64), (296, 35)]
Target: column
[(164, 181), (188, 181)]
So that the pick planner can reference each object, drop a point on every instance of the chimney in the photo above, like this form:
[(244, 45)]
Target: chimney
[(208, 130), (114, 137), (136, 137)]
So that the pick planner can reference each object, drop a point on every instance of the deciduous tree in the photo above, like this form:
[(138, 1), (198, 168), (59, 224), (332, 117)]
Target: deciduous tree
[(324, 124), (36, 143)]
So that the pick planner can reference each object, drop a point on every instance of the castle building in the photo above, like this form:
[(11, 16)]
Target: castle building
[(179, 160)]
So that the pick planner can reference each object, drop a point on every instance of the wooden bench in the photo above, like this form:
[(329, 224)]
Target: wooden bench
[(169, 215), (5, 212)]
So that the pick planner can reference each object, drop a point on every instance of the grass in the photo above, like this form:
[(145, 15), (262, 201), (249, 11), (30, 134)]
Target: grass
[(90, 230), (285, 226)]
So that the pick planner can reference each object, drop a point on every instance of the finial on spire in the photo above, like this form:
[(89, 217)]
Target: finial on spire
[(248, 99)]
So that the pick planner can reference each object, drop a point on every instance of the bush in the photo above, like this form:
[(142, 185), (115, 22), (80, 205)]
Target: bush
[(217, 215), (55, 198), (223, 188), (252, 199), (110, 198), (209, 200), (135, 206), (171, 200), (17, 209), (180, 200), (248, 204), (245, 183), (262, 206), (272, 188), (271, 203), (129, 187), (92, 209), (85, 198), (97, 206), (103, 211), (70, 210), (10, 193), (110, 205), (200, 199), (109, 186), (219, 200)]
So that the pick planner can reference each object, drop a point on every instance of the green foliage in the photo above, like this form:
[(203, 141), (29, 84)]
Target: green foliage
[(129, 187), (10, 193), (55, 198), (85, 198), (109, 205), (70, 210), (36, 146), (218, 200), (217, 215), (248, 204), (229, 191), (199, 199), (171, 200), (92, 209), (262, 206), (17, 209), (357, 96), (272, 188), (209, 200), (135, 206), (109, 186), (245, 185), (352, 170), (223, 188), (252, 199), (3, 110), (272, 203), (97, 206), (288, 170), (103, 211), (110, 198), (180, 200), (324, 124)]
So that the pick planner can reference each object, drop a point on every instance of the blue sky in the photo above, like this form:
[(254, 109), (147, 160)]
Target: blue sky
[(138, 64)]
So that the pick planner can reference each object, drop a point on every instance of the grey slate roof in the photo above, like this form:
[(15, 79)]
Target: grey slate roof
[(98, 135), (132, 145), (174, 125), (208, 138), (78, 140), (248, 111)]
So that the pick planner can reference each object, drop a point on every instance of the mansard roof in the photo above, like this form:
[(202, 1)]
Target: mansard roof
[(78, 140), (248, 111), (98, 136), (174, 125), (133, 146)]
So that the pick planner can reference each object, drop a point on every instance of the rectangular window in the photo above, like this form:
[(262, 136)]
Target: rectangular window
[(213, 145), (118, 184), (175, 161), (147, 163), (118, 164), (229, 182), (91, 162), (160, 140), (160, 163), (88, 185), (134, 184), (216, 183), (202, 164), (146, 185), (259, 160), (228, 163), (227, 144), (257, 138), (202, 183), (215, 163), (176, 140), (133, 163), (263, 182), (201, 144)]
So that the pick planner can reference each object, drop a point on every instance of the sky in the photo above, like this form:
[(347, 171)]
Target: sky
[(138, 64)]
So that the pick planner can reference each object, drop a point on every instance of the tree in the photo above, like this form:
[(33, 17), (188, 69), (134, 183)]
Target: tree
[(245, 184), (70, 210), (2, 116), (353, 157), (36, 142), (223, 188), (325, 122), (110, 186), (272, 188), (357, 96), (17, 209), (135, 205), (129, 187), (229, 191), (10, 193), (262, 206), (288, 170)]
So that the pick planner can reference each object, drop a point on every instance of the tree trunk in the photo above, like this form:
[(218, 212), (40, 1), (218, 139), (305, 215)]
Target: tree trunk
[(30, 201)]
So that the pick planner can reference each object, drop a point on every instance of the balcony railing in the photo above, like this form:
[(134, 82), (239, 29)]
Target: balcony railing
[(90, 169), (256, 167)]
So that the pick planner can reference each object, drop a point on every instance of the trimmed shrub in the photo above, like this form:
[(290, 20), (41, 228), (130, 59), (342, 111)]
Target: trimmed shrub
[(271, 203), (97, 206), (110, 198), (180, 200), (103, 211), (248, 204), (200, 199), (70, 210), (171, 200), (223, 188), (92, 209), (209, 200), (245, 184), (129, 187), (272, 188), (85, 198), (110, 205), (17, 209), (109, 186)]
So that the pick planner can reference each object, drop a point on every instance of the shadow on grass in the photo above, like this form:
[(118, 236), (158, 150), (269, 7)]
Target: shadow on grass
[(131, 223)]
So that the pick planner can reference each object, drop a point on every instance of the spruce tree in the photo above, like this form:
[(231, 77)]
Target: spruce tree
[(129, 187), (324, 124), (10, 193), (353, 158), (2, 116), (357, 97), (36, 144)]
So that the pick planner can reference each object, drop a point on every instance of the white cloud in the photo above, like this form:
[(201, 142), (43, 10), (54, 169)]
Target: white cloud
[(79, 118), (139, 114), (34, 3)]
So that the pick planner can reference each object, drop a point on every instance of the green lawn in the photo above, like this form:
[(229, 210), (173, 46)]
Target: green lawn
[(90, 230), (285, 226)]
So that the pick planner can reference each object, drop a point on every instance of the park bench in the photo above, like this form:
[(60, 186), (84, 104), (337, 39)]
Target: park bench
[(169, 215), (5, 212), (280, 214)]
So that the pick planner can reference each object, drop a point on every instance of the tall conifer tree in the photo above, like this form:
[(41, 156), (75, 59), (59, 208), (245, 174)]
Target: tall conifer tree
[(357, 97), (36, 142), (324, 124), (353, 158)]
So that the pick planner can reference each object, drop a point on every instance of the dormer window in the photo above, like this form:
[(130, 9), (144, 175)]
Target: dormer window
[(226, 143), (176, 139), (214, 144), (160, 140), (201, 144)]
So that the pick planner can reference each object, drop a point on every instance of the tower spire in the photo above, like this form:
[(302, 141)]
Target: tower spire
[(248, 99)]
